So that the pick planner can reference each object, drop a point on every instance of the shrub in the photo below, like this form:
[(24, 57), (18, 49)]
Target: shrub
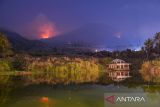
[(20, 63), (5, 46), (150, 71), (65, 71), (4, 66)]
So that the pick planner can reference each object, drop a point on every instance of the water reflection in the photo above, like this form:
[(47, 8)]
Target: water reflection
[(151, 88), (119, 75), (5, 89), (44, 100), (14, 92), (47, 101)]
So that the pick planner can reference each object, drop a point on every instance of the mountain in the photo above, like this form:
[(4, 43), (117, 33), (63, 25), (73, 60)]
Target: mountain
[(94, 34), (19, 43), (89, 36)]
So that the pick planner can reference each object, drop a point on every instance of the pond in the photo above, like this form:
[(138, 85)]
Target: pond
[(86, 95)]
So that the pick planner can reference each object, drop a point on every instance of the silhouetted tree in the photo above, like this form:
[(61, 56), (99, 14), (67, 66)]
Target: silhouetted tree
[(157, 43), (148, 46)]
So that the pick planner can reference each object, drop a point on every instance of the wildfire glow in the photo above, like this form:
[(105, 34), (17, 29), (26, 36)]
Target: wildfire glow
[(42, 28), (47, 31)]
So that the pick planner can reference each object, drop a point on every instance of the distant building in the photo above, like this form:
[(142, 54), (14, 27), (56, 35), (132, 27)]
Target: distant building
[(119, 70)]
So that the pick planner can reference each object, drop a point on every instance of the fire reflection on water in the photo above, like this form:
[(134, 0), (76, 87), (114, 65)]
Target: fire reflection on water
[(47, 102)]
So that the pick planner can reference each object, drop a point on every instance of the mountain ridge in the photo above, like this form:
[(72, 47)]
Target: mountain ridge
[(19, 43)]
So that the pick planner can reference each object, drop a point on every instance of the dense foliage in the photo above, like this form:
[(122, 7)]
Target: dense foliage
[(4, 65), (5, 46), (152, 46), (64, 70), (150, 71)]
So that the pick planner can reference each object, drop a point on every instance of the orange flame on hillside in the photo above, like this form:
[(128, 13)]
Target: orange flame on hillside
[(41, 28), (47, 30)]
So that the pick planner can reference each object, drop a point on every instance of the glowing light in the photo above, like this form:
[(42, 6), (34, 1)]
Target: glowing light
[(44, 99), (96, 50), (41, 28), (47, 31), (48, 101)]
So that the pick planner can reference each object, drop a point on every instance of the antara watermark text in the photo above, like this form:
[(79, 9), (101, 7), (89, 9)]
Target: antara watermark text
[(125, 98), (130, 99)]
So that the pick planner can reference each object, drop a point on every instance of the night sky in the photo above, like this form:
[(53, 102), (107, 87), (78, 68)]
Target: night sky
[(134, 20)]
